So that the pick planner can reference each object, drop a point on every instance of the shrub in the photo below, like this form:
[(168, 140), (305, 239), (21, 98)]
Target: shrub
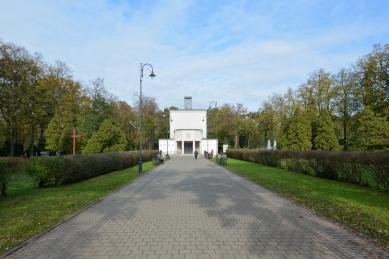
[(350, 167), (46, 171), (362, 168), (59, 170), (296, 161), (79, 168), (322, 164), (377, 165), (82, 167)]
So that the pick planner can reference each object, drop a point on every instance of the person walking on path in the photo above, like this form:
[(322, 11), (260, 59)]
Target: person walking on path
[(196, 154)]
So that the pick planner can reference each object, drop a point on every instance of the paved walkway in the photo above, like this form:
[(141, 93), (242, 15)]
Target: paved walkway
[(194, 209)]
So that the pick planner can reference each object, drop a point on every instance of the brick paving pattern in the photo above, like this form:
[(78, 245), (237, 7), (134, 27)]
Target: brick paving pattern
[(194, 209)]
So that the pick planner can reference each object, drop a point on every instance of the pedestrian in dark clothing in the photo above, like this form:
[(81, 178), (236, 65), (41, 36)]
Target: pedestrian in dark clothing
[(196, 154)]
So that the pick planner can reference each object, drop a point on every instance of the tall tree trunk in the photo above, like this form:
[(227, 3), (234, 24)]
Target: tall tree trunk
[(345, 146)]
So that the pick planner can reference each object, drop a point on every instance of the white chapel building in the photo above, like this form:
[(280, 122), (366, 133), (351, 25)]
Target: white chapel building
[(188, 132)]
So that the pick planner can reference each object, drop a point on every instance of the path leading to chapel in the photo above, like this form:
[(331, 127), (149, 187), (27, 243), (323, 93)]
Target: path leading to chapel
[(194, 209)]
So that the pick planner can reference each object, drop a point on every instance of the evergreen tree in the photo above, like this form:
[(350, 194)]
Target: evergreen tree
[(312, 115), (109, 138), (58, 136), (325, 135), (66, 139), (283, 142), (299, 132), (373, 131), (54, 135)]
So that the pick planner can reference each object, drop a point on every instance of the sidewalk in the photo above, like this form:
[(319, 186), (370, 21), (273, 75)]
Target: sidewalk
[(194, 209)]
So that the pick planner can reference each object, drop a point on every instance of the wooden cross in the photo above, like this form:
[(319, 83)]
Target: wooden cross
[(74, 136)]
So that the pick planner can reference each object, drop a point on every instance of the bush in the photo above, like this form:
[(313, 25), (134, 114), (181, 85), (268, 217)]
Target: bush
[(46, 171), (59, 170), (350, 167), (296, 161), (322, 164), (9, 166), (359, 168), (82, 167), (377, 165)]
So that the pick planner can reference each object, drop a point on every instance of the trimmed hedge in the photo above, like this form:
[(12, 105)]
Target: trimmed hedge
[(46, 171), (361, 168), (79, 168), (60, 170)]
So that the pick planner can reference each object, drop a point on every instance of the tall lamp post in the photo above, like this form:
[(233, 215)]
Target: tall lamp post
[(152, 75), (217, 140)]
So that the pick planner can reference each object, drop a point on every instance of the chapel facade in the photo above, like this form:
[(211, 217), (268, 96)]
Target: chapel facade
[(188, 132)]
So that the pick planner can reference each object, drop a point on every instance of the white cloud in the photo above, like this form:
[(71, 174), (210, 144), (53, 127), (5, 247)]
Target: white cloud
[(235, 52)]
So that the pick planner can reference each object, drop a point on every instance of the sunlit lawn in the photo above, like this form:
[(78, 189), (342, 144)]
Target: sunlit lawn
[(28, 210)]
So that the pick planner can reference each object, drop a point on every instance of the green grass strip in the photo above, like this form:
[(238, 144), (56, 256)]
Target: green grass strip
[(28, 210), (363, 209)]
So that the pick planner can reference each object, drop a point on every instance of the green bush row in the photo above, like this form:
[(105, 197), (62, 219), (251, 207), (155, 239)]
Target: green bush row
[(361, 168), (60, 170)]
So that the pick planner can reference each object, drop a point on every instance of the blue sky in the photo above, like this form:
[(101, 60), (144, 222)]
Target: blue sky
[(224, 51)]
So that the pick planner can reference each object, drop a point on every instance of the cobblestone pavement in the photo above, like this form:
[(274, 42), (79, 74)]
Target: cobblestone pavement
[(194, 209)]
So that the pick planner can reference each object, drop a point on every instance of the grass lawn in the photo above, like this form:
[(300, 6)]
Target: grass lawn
[(28, 210), (363, 209)]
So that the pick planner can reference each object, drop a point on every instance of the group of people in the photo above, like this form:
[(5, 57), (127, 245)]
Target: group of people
[(159, 157), (206, 154), (196, 153)]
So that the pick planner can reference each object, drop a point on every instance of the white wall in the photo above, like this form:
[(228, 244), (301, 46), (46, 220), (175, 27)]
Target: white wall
[(188, 125), (172, 149), (208, 145), (188, 135), (188, 119), (172, 144)]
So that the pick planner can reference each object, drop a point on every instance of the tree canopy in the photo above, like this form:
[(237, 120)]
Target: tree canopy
[(41, 104)]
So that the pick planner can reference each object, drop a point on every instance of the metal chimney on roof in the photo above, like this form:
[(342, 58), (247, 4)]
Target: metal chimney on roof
[(188, 102)]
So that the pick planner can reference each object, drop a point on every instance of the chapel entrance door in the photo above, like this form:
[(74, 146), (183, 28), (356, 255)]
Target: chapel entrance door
[(188, 147)]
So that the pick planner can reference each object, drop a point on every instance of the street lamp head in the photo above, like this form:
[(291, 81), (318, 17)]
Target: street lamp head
[(152, 75)]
